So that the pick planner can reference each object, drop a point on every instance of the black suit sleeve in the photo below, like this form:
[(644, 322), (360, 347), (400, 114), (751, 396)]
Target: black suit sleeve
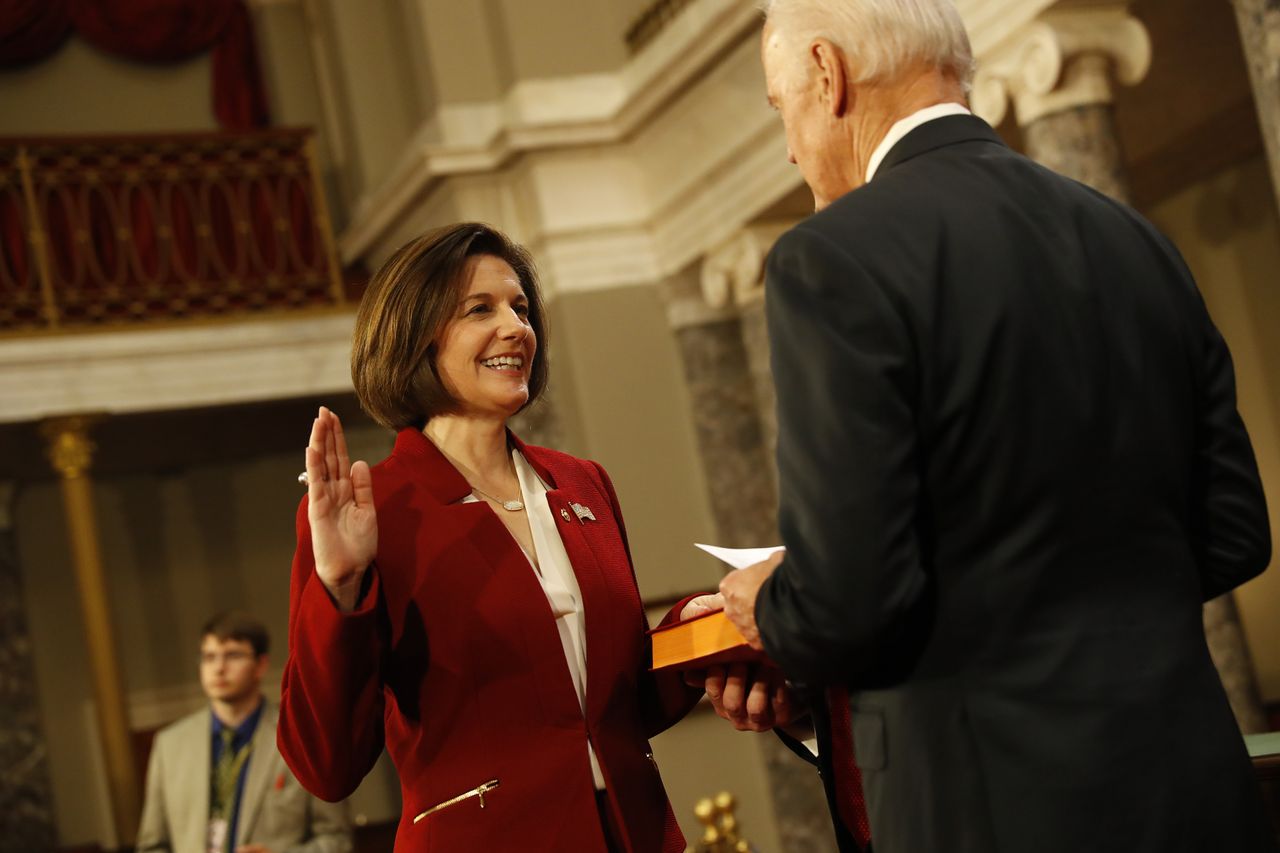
[(841, 603), (1229, 522)]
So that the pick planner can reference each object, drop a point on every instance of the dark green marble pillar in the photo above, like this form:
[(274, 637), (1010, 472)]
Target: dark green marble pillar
[(26, 800)]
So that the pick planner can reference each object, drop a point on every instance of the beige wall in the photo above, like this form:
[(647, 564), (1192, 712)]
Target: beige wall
[(551, 39), (468, 57), (379, 87), (632, 411), (1228, 231), (82, 90)]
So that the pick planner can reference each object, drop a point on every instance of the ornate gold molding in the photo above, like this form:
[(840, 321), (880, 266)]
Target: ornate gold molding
[(1061, 60), (146, 227), (69, 447)]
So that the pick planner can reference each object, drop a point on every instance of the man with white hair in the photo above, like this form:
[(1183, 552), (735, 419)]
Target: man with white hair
[(1011, 470)]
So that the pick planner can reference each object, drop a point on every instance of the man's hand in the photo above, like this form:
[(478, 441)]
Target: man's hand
[(740, 589), (753, 698)]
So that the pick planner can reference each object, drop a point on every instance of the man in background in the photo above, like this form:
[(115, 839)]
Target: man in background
[(215, 782), (1011, 469)]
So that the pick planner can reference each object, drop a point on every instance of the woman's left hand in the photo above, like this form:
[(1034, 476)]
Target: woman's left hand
[(754, 698), (701, 605)]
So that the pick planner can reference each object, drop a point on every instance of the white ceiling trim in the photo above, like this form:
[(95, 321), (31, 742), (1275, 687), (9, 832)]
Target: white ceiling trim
[(181, 367)]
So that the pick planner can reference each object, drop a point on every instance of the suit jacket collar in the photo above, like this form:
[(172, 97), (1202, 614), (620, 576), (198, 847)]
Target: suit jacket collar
[(439, 476), (261, 767), (191, 781), (938, 133)]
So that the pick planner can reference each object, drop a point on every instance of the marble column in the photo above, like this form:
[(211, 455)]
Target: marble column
[(1081, 142), (755, 340), (722, 376), (1260, 33), (71, 454), (726, 414), (26, 817), (732, 277), (1058, 73)]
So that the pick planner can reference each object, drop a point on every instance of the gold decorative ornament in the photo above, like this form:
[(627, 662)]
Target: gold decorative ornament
[(720, 833)]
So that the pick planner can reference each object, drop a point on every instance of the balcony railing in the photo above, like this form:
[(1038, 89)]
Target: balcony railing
[(119, 231)]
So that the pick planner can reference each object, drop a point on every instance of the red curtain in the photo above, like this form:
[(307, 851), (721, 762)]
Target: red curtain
[(30, 30), (149, 31), (239, 98)]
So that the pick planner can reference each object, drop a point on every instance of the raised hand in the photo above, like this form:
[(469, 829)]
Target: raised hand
[(344, 523)]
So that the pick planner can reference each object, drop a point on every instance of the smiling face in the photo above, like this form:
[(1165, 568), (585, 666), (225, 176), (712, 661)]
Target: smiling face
[(484, 356)]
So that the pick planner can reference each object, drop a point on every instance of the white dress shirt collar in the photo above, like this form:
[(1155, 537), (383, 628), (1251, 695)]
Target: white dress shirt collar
[(905, 126)]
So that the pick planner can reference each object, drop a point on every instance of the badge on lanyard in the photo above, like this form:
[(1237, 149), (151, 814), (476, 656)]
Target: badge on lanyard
[(217, 840)]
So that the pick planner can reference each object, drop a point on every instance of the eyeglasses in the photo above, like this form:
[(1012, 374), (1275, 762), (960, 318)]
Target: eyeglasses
[(232, 658)]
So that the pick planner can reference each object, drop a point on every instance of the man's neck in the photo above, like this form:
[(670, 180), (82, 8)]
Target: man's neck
[(884, 106), (232, 714)]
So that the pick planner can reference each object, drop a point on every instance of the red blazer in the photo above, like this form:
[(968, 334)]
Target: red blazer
[(453, 662)]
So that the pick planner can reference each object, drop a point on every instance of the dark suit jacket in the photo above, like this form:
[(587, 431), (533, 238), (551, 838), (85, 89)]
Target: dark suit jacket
[(1011, 470), (453, 660)]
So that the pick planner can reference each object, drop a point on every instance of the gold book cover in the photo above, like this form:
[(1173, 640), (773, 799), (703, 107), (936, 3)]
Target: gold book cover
[(709, 638)]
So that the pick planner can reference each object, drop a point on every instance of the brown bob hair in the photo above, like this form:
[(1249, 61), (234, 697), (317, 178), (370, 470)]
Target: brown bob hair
[(405, 308)]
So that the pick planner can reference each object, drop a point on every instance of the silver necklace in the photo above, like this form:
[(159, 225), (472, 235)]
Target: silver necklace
[(509, 506)]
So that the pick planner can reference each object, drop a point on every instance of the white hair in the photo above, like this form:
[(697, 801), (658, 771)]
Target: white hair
[(881, 37)]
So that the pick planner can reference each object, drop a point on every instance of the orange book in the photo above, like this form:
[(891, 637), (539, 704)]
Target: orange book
[(706, 639)]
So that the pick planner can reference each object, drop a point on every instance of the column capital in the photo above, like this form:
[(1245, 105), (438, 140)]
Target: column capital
[(68, 444), (733, 272), (1063, 59)]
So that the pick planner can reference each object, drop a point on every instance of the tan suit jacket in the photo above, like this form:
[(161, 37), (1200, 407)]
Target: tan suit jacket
[(275, 811)]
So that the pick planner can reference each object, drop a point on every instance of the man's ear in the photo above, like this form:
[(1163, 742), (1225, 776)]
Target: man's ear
[(833, 81), (260, 666)]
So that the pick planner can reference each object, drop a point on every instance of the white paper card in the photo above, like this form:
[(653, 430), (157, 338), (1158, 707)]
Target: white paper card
[(740, 558)]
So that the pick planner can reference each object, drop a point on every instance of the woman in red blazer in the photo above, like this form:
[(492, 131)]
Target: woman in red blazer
[(469, 602)]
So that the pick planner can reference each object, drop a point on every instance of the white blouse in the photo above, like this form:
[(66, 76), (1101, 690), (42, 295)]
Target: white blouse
[(560, 584)]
